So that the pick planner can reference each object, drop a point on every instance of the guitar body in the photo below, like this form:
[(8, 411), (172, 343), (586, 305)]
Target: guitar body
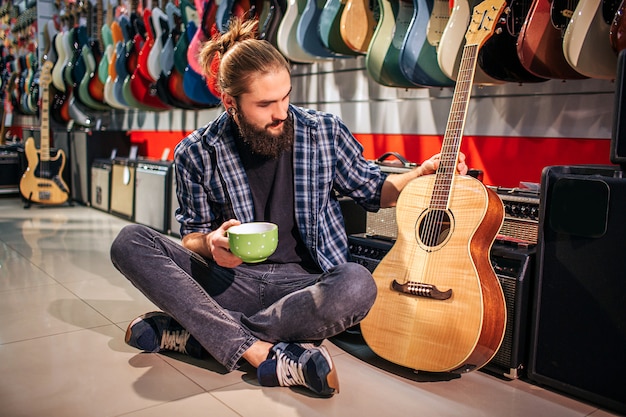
[(286, 37), (357, 25), (43, 183), (464, 331), (307, 32), (498, 56), (383, 55), (329, 27), (586, 43), (540, 45), (617, 34), (418, 57)]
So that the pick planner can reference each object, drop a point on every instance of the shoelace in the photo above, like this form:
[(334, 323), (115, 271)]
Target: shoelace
[(288, 371), (175, 340)]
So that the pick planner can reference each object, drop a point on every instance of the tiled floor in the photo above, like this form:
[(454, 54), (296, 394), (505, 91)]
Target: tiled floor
[(64, 310)]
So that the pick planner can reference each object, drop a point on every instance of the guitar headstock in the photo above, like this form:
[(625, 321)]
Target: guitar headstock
[(483, 21)]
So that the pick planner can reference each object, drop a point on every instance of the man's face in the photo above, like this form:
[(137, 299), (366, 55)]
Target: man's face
[(262, 114)]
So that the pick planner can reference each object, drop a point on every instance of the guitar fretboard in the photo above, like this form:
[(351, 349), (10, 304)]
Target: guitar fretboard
[(454, 129)]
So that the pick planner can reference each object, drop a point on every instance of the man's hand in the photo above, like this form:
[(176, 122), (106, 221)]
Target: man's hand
[(214, 245), (430, 165), (217, 242)]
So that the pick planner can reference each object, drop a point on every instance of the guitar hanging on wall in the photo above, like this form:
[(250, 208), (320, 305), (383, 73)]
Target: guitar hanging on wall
[(440, 306), (42, 182)]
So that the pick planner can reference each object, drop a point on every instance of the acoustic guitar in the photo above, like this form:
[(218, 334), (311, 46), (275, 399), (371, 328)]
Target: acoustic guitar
[(42, 181), (440, 306)]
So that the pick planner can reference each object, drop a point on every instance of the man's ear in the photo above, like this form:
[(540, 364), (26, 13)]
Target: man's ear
[(228, 101)]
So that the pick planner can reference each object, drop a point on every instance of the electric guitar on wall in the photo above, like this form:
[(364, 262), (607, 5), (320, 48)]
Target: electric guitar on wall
[(440, 306), (42, 182)]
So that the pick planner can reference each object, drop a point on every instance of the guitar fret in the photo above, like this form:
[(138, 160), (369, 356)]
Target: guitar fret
[(454, 129)]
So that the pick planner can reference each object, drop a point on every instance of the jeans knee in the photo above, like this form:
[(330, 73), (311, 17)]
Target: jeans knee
[(125, 241), (362, 286)]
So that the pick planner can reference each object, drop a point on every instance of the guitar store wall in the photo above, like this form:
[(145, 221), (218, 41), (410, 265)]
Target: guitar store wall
[(512, 130)]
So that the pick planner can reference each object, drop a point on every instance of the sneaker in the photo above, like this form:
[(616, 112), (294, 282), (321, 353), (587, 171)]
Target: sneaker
[(298, 364), (156, 332)]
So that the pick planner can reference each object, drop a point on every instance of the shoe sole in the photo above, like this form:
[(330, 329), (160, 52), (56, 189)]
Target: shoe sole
[(332, 379)]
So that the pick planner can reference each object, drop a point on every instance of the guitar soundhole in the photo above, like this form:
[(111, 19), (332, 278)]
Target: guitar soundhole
[(434, 228)]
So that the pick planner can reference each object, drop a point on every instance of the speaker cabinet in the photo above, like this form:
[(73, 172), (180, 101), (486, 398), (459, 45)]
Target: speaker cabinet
[(101, 184), (123, 188), (579, 327), (515, 268), (152, 185)]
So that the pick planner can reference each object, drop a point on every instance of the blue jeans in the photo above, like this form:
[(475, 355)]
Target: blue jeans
[(228, 309)]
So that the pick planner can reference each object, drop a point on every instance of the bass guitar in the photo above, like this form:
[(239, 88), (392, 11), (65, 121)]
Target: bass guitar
[(42, 181), (440, 306)]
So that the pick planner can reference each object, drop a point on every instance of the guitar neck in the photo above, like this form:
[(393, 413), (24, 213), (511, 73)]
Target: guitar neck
[(454, 129), (45, 131)]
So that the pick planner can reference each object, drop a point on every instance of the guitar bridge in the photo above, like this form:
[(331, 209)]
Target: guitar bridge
[(421, 290)]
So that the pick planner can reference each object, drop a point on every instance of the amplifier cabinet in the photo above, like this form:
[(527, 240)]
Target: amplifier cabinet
[(368, 251), (152, 194), (9, 171), (514, 267), (521, 218), (123, 188), (578, 342), (101, 184)]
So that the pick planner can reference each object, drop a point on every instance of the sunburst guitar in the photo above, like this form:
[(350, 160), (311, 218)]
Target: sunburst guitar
[(42, 181), (440, 306)]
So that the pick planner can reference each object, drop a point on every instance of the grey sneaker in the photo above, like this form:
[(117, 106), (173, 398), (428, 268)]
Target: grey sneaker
[(156, 332), (298, 364)]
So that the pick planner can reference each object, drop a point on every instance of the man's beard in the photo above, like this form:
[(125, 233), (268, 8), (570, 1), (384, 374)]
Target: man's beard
[(261, 142)]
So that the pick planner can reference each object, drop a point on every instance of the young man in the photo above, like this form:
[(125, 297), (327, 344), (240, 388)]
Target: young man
[(261, 160)]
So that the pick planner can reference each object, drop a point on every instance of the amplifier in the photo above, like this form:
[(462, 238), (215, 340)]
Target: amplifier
[(9, 171), (152, 186), (521, 218), (368, 251), (514, 267), (101, 184), (383, 222), (123, 188)]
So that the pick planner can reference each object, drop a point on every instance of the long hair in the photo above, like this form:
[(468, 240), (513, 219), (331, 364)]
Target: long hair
[(237, 55)]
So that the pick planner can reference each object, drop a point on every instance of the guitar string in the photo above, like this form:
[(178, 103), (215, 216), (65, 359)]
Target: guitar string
[(432, 232)]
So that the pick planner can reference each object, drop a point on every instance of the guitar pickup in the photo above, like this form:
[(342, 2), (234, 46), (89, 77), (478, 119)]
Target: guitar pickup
[(421, 290)]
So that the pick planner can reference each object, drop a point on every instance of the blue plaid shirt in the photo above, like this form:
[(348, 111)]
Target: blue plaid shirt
[(212, 186)]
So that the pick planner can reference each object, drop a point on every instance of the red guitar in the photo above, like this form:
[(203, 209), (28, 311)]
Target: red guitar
[(540, 45)]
